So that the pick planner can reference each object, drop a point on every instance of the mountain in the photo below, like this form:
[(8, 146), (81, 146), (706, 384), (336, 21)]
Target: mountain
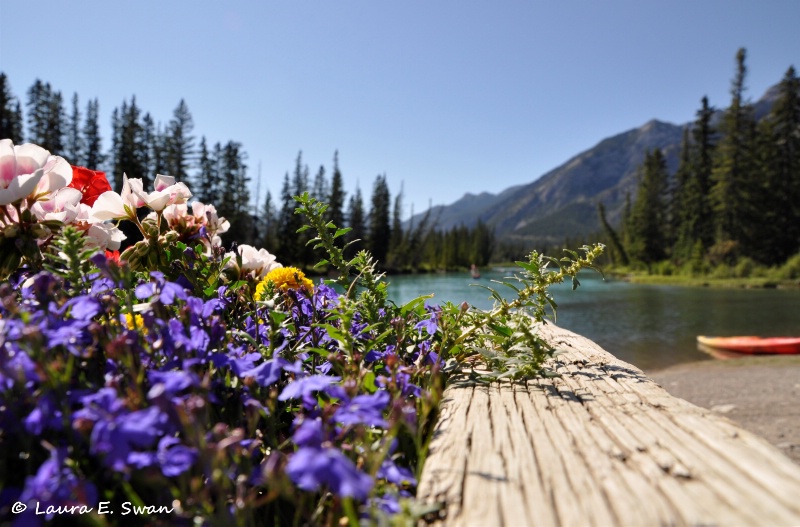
[(563, 202)]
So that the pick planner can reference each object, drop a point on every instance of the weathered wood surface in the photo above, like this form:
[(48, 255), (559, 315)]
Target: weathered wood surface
[(602, 445)]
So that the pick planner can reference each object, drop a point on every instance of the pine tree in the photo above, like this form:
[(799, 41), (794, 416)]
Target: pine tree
[(74, 146), (357, 222), (269, 239), (287, 224), (206, 184), (93, 153), (319, 189), (379, 227), (10, 113), (129, 149), (56, 122), (695, 216), (149, 150), (38, 105), (779, 161), (336, 201), (180, 145), (678, 196), (733, 168), (647, 220), (46, 117), (236, 196), (397, 243)]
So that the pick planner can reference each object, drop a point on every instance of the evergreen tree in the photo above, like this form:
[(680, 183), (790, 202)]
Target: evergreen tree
[(356, 221), (678, 197), (379, 227), (695, 215), (180, 143), (269, 238), (46, 119), (397, 246), (74, 146), (304, 253), (93, 153), (235, 199), (56, 121), (206, 184), (149, 150), (288, 223), (129, 150), (734, 167), (319, 189), (335, 212), (482, 244), (10, 113), (38, 105), (778, 199), (646, 222)]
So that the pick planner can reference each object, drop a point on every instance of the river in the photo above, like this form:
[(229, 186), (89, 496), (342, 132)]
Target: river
[(650, 326)]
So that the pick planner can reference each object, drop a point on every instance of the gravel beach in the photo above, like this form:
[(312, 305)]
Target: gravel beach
[(762, 394)]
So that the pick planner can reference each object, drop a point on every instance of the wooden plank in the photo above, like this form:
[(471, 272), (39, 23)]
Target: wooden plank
[(600, 445)]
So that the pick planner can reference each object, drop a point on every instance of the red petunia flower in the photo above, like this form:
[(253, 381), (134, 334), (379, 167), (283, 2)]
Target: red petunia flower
[(112, 256), (91, 183)]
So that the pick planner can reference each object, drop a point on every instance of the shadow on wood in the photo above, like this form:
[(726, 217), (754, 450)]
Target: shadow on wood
[(602, 445)]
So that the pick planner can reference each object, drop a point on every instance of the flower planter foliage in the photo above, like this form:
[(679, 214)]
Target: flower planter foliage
[(198, 386)]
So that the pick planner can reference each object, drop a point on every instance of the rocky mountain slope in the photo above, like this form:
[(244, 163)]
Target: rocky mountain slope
[(563, 202)]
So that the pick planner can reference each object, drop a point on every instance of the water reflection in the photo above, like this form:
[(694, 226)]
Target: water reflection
[(650, 326)]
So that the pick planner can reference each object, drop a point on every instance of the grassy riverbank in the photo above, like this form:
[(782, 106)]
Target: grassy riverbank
[(703, 280), (745, 274)]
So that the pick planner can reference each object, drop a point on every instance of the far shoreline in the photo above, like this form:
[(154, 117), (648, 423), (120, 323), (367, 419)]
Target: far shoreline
[(705, 281)]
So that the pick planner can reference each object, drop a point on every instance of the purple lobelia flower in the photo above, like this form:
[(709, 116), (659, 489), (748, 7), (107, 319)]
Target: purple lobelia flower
[(312, 468), (268, 372), (174, 457), (54, 484), (308, 432), (306, 385), (173, 382), (166, 291), (46, 415), (363, 409), (393, 473)]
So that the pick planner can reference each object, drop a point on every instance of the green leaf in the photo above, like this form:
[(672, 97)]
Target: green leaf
[(412, 305), (335, 333), (342, 232), (278, 316), (369, 382), (502, 329)]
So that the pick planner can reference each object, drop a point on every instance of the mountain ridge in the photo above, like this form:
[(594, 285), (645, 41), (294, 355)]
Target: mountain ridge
[(562, 203)]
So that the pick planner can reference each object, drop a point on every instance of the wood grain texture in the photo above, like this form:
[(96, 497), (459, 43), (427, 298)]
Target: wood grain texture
[(601, 445)]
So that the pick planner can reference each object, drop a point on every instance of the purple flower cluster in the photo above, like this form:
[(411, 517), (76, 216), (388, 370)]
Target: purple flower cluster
[(146, 389)]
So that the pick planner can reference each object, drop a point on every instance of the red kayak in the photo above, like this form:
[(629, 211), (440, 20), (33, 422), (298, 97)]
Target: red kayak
[(754, 345)]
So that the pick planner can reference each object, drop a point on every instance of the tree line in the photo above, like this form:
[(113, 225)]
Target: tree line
[(735, 194), (219, 174)]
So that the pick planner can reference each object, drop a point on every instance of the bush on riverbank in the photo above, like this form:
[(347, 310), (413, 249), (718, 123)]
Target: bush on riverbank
[(744, 273)]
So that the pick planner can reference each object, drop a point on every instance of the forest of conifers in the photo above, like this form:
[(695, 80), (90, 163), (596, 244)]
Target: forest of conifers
[(217, 174), (734, 197)]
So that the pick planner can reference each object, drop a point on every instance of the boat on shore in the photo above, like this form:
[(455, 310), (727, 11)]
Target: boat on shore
[(749, 345)]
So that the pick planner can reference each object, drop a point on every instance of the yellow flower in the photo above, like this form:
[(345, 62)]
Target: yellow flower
[(135, 322), (283, 278)]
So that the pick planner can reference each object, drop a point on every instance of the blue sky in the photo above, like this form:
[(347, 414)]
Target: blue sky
[(443, 96)]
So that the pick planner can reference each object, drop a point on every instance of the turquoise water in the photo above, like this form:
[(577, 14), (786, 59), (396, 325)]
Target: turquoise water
[(651, 326)]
